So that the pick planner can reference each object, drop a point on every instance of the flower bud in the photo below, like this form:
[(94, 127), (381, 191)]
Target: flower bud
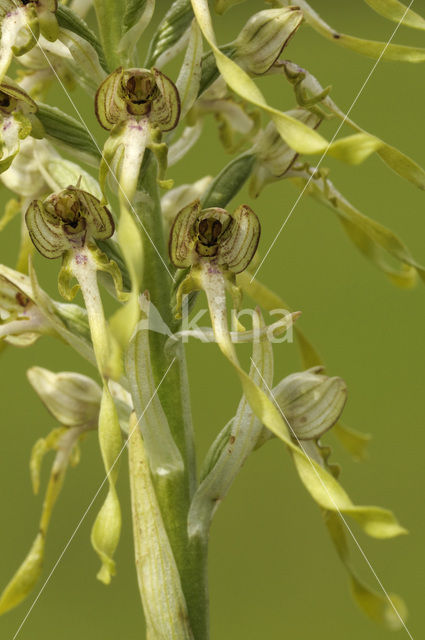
[(274, 156), (311, 402), (264, 36), (73, 399), (138, 93), (67, 220), (214, 234)]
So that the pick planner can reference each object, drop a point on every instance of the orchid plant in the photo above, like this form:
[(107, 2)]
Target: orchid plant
[(108, 215)]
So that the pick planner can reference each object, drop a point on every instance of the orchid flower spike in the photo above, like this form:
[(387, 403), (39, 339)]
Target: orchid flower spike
[(136, 106)]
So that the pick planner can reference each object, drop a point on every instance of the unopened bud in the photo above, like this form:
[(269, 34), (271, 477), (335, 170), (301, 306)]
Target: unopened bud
[(311, 402), (73, 399), (264, 36)]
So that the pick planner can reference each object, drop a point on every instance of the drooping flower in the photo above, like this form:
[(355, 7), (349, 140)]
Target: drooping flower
[(67, 224), (216, 245), (136, 106), (214, 238)]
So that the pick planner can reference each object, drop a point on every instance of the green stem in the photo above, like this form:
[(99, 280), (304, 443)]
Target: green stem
[(174, 493)]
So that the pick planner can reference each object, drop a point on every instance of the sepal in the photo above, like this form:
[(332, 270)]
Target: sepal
[(264, 37), (311, 402), (73, 399)]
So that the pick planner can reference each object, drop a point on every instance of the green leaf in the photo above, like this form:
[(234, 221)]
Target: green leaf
[(164, 456), (397, 12), (228, 182), (67, 19), (157, 572), (71, 134), (170, 31), (189, 78), (369, 48), (141, 11), (210, 70), (109, 15), (133, 11)]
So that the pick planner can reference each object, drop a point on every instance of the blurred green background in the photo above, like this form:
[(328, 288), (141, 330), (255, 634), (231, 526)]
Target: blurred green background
[(273, 571)]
